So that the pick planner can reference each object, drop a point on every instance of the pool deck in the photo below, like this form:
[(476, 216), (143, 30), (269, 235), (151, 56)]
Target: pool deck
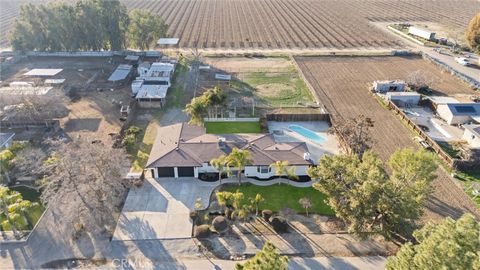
[(329, 147)]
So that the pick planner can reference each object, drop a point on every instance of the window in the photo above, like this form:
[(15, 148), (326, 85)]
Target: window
[(263, 169)]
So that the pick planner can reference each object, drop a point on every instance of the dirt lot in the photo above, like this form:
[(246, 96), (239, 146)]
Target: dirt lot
[(91, 113), (341, 85), (271, 82)]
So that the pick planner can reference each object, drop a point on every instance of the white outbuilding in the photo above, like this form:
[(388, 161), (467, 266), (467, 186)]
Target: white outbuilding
[(472, 135), (389, 86), (423, 33), (403, 99)]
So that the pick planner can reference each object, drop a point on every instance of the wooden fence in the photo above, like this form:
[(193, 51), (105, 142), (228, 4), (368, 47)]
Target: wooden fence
[(298, 117), (55, 124)]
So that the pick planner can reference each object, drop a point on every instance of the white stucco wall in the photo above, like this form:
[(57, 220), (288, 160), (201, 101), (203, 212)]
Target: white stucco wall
[(251, 171), (471, 138)]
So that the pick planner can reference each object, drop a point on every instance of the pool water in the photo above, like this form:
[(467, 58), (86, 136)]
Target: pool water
[(307, 133)]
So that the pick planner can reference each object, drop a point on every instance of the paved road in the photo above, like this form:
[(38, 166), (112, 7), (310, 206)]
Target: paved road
[(470, 71)]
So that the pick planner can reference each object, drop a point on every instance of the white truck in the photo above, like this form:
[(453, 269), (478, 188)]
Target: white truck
[(462, 61)]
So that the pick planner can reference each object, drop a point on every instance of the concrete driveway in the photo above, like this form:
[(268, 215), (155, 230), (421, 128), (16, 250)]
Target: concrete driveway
[(159, 209)]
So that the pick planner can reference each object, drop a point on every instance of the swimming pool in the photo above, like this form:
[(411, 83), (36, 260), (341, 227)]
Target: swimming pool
[(307, 133)]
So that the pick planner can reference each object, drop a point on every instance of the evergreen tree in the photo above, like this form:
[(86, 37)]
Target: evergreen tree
[(452, 244)]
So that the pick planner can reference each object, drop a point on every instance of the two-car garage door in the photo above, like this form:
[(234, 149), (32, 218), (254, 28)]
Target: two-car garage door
[(185, 172), (170, 172), (166, 172)]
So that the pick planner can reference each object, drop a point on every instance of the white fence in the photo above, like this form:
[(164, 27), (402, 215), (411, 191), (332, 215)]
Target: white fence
[(251, 119)]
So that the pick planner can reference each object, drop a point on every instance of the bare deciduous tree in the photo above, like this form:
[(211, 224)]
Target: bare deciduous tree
[(89, 176), (419, 80), (29, 162), (34, 107), (355, 133)]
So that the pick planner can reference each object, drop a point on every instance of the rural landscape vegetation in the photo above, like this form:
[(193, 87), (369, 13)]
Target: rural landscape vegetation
[(243, 134)]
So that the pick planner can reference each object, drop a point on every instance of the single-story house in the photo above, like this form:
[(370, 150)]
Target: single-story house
[(6, 140), (389, 86), (403, 99), (471, 134), (182, 150), (459, 113), (151, 86)]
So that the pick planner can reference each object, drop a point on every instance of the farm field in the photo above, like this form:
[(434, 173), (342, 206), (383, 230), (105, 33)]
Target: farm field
[(272, 24), (341, 85)]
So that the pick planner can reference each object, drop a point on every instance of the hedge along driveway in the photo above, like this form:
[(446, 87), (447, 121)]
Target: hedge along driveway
[(280, 196)]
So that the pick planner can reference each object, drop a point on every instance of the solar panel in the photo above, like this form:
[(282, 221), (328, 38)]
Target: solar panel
[(465, 109)]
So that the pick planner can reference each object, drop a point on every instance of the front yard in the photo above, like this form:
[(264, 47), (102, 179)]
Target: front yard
[(278, 197), (233, 127)]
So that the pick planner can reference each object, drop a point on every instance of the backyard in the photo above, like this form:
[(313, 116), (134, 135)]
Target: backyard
[(281, 196), (232, 127)]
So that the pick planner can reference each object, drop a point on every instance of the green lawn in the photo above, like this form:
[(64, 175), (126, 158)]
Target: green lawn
[(285, 89), (278, 197), (233, 127)]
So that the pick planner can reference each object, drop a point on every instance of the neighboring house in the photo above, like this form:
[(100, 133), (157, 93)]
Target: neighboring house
[(403, 99), (389, 86), (182, 150), (459, 113), (6, 140), (151, 86), (472, 135)]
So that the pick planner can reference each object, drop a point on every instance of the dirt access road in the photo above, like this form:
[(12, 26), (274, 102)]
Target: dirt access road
[(341, 84)]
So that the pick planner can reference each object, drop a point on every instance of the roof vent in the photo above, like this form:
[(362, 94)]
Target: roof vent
[(306, 156)]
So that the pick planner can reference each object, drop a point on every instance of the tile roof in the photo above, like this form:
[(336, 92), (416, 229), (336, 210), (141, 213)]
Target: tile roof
[(185, 145)]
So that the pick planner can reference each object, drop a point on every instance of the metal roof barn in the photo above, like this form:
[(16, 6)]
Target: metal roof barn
[(132, 57), (43, 72), (120, 73), (54, 81), (32, 90), (168, 41), (152, 92)]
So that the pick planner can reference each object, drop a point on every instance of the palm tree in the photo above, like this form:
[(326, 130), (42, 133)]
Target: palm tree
[(7, 199), (284, 168), (239, 159), (23, 207), (256, 201), (220, 164)]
